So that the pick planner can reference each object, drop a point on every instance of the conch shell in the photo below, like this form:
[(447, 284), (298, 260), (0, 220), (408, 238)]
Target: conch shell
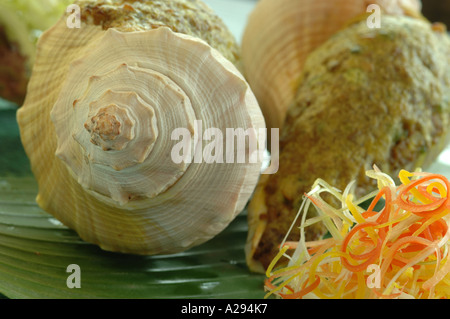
[(100, 122), (280, 34)]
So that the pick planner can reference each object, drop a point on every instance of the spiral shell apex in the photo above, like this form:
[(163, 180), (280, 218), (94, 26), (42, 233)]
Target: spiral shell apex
[(98, 125)]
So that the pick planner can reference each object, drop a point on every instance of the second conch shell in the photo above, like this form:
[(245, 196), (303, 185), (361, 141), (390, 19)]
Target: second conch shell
[(280, 34), (107, 107), (367, 97)]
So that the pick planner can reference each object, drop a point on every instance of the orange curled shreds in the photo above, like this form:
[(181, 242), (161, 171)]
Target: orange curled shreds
[(432, 205), (303, 291), (370, 256), (396, 248), (384, 214)]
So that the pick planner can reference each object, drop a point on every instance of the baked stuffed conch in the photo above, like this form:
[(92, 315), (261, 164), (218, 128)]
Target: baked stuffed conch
[(367, 96), (101, 116), (280, 34)]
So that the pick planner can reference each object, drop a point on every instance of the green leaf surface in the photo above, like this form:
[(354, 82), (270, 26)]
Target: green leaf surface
[(35, 250)]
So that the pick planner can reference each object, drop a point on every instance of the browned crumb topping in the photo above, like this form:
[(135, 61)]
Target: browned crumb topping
[(191, 17)]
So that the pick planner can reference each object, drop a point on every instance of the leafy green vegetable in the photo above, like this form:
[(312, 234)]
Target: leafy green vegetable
[(25, 20)]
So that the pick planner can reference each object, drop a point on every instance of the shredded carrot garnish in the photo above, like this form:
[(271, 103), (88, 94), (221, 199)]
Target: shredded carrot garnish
[(398, 247)]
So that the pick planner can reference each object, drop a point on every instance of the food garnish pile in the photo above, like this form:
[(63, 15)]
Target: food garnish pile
[(398, 247)]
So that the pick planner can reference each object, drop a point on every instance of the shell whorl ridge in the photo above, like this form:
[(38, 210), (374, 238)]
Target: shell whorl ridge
[(115, 124), (98, 124)]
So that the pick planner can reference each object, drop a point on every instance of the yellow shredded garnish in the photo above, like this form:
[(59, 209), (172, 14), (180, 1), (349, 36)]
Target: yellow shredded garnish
[(397, 251)]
